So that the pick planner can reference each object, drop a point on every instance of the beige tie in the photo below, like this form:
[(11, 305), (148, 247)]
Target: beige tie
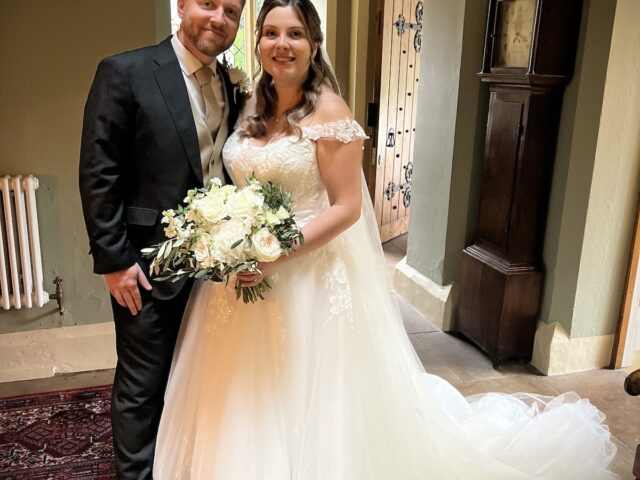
[(212, 109)]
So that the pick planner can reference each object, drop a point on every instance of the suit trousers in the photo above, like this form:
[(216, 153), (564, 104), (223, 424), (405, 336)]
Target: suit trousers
[(145, 345)]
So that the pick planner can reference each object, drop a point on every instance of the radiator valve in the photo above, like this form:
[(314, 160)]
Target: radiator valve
[(58, 296)]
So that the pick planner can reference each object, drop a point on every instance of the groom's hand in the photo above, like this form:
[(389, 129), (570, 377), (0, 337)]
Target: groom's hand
[(123, 285)]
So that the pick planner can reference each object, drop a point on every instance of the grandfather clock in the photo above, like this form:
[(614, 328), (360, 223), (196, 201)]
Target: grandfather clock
[(529, 55)]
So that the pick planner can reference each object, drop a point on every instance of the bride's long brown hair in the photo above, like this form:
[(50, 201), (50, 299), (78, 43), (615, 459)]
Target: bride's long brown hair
[(320, 73)]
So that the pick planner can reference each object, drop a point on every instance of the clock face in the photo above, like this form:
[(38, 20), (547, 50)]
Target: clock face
[(514, 30)]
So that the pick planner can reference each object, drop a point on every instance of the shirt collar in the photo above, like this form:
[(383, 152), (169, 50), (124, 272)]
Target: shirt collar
[(189, 64)]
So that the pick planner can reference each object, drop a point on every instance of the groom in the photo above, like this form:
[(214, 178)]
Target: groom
[(154, 126)]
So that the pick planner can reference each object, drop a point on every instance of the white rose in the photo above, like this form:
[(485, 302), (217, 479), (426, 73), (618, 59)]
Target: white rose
[(212, 207), (230, 232), (265, 246), (282, 213), (227, 191), (244, 204)]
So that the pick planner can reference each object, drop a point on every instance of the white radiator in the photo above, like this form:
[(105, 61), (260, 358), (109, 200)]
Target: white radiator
[(20, 259)]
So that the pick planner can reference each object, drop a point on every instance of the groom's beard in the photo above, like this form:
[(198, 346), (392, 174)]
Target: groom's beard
[(210, 48)]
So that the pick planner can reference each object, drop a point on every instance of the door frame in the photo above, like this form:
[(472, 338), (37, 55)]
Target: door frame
[(627, 304), (374, 58)]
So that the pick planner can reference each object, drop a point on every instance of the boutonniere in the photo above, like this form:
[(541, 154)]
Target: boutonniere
[(239, 79)]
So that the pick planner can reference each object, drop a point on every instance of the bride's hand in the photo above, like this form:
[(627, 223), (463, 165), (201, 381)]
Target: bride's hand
[(253, 279)]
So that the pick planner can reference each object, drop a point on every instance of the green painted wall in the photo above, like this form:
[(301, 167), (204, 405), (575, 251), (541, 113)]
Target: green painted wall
[(48, 55), (163, 19), (574, 164), (614, 190), (450, 128)]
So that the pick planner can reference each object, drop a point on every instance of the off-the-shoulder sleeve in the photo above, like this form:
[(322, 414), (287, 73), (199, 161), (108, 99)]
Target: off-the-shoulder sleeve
[(344, 131)]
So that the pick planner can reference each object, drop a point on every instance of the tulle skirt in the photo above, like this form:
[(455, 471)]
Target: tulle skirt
[(320, 382)]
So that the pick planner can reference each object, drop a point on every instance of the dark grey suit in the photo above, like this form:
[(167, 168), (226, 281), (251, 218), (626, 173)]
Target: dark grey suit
[(139, 156)]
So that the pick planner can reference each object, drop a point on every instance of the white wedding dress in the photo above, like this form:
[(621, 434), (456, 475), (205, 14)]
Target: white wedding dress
[(320, 382)]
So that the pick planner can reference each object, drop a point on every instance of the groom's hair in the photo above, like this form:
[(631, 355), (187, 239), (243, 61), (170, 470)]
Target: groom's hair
[(320, 73)]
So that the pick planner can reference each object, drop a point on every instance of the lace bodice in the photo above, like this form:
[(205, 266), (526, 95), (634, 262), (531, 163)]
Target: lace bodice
[(290, 162)]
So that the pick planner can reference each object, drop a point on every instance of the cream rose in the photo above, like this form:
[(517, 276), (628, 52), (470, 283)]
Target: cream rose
[(265, 246), (212, 207), (244, 204)]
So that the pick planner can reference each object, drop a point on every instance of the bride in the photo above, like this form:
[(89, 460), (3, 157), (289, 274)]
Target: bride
[(319, 381)]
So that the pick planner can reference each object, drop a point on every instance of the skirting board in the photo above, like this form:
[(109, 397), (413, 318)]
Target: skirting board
[(555, 353), (44, 353), (432, 300)]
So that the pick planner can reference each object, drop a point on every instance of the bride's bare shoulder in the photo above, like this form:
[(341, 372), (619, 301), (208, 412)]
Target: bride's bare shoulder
[(330, 108)]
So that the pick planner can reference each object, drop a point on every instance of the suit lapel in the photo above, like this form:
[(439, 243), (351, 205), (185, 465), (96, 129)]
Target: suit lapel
[(171, 83), (233, 98)]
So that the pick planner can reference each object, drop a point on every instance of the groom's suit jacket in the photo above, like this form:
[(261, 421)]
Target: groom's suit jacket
[(139, 155)]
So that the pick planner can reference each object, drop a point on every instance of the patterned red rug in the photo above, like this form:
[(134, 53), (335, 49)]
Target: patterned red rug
[(57, 436)]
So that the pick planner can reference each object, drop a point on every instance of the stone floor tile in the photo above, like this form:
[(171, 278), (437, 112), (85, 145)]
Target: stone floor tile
[(467, 361), (400, 242), (57, 382)]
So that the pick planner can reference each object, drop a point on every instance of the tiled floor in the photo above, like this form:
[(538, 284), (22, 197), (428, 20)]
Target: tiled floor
[(468, 370)]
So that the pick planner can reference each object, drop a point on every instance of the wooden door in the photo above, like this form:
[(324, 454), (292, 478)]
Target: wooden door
[(392, 159)]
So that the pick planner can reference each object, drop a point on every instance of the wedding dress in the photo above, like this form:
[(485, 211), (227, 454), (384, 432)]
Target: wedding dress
[(320, 381)]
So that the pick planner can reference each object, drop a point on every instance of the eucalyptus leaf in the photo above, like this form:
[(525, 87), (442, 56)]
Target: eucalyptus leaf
[(202, 273), (168, 249)]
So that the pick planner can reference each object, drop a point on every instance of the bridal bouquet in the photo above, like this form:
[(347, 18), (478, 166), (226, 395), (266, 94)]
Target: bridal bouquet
[(224, 230)]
